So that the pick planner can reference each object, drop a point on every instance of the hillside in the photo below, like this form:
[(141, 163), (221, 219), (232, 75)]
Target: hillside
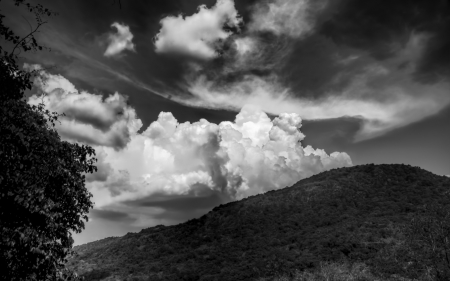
[(356, 214)]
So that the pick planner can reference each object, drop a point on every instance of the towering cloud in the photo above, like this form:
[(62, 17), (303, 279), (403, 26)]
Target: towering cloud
[(199, 34), (119, 41), (236, 159)]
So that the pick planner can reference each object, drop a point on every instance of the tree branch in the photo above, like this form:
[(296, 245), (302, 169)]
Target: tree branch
[(29, 35)]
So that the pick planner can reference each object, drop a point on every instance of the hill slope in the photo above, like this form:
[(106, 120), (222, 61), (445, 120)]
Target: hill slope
[(353, 214)]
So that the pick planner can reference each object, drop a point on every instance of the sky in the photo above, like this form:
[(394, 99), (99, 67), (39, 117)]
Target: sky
[(193, 104)]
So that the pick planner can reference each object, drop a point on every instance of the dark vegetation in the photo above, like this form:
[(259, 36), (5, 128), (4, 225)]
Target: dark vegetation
[(373, 221), (42, 184)]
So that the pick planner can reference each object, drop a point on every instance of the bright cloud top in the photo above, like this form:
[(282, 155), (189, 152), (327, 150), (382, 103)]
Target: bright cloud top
[(197, 35), (120, 41), (89, 118)]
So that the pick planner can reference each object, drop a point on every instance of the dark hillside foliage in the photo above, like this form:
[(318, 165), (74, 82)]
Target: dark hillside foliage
[(429, 240), (353, 215)]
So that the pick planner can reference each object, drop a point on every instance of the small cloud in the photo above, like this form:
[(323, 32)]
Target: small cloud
[(196, 35), (110, 215), (190, 202), (244, 45), (119, 41), (285, 17)]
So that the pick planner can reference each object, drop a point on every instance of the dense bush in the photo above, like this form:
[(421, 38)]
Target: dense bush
[(96, 274)]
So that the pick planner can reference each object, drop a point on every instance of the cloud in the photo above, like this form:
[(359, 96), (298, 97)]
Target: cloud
[(89, 118), (188, 203), (236, 159), (197, 35), (120, 41), (378, 93), (284, 17), (103, 169), (110, 215), (244, 45), (382, 30)]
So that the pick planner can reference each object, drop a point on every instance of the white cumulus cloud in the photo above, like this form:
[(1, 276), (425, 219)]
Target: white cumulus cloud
[(89, 118), (119, 41), (251, 155), (197, 35)]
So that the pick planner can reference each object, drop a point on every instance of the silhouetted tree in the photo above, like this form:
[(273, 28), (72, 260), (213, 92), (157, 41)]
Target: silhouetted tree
[(42, 184)]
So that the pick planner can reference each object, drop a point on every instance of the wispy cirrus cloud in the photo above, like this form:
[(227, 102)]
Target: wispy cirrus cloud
[(382, 108)]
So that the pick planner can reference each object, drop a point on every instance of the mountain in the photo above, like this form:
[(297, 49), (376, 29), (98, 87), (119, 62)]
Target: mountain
[(355, 214)]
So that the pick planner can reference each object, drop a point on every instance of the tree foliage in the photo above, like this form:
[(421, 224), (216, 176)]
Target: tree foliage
[(42, 184), (429, 239)]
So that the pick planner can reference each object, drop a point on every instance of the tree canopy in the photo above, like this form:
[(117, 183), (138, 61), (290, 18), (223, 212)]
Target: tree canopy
[(42, 184)]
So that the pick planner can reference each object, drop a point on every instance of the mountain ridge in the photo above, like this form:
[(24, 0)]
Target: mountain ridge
[(350, 214)]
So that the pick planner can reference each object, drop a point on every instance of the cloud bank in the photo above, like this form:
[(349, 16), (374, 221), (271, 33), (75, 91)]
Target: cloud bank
[(197, 35), (120, 41), (236, 159)]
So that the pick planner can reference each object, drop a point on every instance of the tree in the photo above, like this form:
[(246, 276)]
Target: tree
[(42, 184), (429, 240)]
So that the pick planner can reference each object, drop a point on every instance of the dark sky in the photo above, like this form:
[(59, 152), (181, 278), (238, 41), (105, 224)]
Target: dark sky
[(368, 78)]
